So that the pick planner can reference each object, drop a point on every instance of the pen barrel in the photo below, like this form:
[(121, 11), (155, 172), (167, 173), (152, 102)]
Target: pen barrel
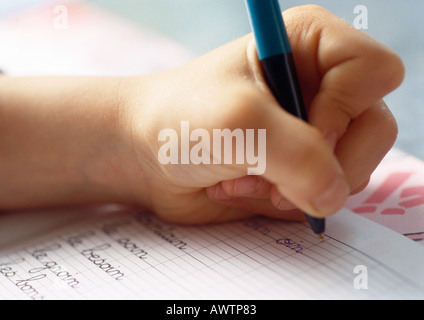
[(280, 74)]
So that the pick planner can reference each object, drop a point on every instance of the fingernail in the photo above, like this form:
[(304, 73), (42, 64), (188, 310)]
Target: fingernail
[(245, 186), (333, 198), (284, 205), (280, 204), (220, 193)]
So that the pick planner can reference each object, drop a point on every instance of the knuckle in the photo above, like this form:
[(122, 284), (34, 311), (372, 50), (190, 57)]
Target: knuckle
[(388, 126), (396, 71), (388, 68)]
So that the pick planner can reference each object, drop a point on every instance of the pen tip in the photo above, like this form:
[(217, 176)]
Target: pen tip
[(321, 236)]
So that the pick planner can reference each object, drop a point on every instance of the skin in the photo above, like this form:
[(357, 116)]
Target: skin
[(91, 140)]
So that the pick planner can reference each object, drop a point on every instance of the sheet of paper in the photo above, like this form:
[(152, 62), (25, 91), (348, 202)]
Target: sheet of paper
[(133, 255), (395, 196), (112, 253)]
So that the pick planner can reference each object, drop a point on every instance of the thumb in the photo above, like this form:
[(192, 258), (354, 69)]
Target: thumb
[(302, 165), (298, 160)]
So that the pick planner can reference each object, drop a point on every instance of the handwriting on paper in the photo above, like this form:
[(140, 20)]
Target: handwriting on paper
[(111, 229), (94, 254), (26, 285), (42, 256), (264, 230), (291, 244), (163, 231)]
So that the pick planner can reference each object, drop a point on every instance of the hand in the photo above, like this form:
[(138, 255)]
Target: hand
[(88, 140), (344, 75)]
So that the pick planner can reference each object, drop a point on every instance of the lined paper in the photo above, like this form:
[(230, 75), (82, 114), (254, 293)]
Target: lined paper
[(113, 253), (134, 255)]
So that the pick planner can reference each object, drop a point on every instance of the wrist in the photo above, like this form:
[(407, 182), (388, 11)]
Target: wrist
[(122, 172), (63, 142)]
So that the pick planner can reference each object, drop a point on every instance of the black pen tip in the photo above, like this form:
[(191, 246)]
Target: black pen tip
[(317, 224)]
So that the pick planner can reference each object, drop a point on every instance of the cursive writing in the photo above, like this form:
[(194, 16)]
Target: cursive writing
[(26, 287), (93, 255), (41, 255), (291, 244), (163, 231), (111, 229), (101, 262)]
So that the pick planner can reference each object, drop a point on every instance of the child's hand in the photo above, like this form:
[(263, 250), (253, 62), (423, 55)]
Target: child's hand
[(344, 75), (79, 140)]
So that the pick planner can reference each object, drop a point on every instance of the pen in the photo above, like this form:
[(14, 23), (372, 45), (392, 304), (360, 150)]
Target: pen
[(276, 59)]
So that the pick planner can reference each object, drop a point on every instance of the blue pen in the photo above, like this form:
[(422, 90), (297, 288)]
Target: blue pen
[(276, 58)]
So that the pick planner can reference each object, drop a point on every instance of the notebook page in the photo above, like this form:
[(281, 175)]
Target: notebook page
[(134, 255), (395, 196)]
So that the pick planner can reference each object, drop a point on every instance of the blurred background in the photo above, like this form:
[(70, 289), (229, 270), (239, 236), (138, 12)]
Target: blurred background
[(202, 25)]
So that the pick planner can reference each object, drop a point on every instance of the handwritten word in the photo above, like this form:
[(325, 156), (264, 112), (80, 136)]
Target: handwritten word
[(11, 262), (78, 239), (263, 229), (132, 247), (28, 289), (112, 228), (257, 226), (6, 267), (24, 285), (96, 259), (162, 231), (51, 265), (289, 243), (8, 272), (92, 255)]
